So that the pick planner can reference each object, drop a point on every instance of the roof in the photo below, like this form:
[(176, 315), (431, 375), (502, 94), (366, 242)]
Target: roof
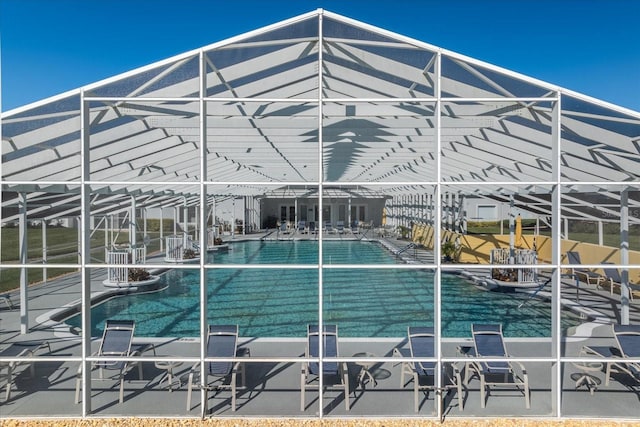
[(382, 104)]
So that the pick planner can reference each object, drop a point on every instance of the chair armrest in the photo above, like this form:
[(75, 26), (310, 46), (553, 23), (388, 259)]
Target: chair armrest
[(521, 367)]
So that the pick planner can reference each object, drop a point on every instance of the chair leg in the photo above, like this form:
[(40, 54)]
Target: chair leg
[(302, 390), (205, 403), (416, 392), (233, 391), (482, 391), (189, 389), (78, 382), (9, 381), (345, 379), (527, 393), (121, 387)]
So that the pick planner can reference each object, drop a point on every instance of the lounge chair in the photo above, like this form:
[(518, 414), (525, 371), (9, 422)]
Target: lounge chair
[(6, 299), (340, 227), (421, 345), (627, 345), (222, 342), (588, 275), (312, 227), (335, 374), (20, 350), (489, 342), (327, 227), (116, 341), (302, 226), (612, 277)]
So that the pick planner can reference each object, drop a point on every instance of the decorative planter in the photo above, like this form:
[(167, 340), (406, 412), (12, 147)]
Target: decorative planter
[(139, 284)]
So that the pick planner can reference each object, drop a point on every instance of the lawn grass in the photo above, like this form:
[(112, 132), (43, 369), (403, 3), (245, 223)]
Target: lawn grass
[(62, 248), (581, 232)]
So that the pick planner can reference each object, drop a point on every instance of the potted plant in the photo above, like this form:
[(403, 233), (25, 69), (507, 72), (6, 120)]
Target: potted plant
[(138, 275), (188, 254), (403, 231), (448, 249)]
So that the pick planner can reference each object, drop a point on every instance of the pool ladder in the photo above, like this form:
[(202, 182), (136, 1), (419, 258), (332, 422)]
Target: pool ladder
[(406, 248)]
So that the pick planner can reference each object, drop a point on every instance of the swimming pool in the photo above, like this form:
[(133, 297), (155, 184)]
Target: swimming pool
[(281, 302)]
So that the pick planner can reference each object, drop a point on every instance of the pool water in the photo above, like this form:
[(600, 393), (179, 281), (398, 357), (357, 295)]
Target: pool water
[(281, 302)]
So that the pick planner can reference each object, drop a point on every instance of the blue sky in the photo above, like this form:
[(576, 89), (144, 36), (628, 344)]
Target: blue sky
[(51, 46)]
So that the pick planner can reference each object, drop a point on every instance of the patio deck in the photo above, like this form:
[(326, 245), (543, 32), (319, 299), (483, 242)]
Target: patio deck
[(273, 388)]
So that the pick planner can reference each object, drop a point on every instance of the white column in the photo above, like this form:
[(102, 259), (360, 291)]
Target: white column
[(44, 249), (600, 233), (132, 223), (185, 218), (24, 272), (84, 251), (437, 294), (161, 228), (556, 253), (106, 236), (512, 227), (197, 224), (233, 217), (175, 220), (79, 238), (144, 223), (624, 256)]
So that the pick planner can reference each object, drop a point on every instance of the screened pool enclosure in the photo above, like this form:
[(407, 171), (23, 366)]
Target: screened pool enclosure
[(320, 128)]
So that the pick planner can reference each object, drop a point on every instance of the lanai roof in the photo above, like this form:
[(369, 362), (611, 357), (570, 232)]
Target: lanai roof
[(272, 94)]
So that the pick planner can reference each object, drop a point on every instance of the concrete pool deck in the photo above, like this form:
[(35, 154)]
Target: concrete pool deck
[(274, 386)]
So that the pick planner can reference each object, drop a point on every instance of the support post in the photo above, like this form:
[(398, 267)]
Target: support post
[(44, 250), (132, 222), (24, 272), (624, 256)]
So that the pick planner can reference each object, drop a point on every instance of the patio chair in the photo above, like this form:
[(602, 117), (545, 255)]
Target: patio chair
[(6, 299), (222, 342), (489, 342), (627, 345), (421, 345), (612, 277), (116, 341), (20, 350), (588, 275), (628, 340), (335, 374)]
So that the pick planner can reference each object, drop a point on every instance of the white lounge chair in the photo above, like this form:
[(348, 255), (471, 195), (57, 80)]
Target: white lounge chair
[(222, 342), (334, 374), (612, 278), (588, 275), (422, 345), (117, 341), (489, 342), (20, 350)]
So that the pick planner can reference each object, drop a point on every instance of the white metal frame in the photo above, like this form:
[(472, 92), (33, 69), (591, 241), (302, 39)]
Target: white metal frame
[(195, 184)]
